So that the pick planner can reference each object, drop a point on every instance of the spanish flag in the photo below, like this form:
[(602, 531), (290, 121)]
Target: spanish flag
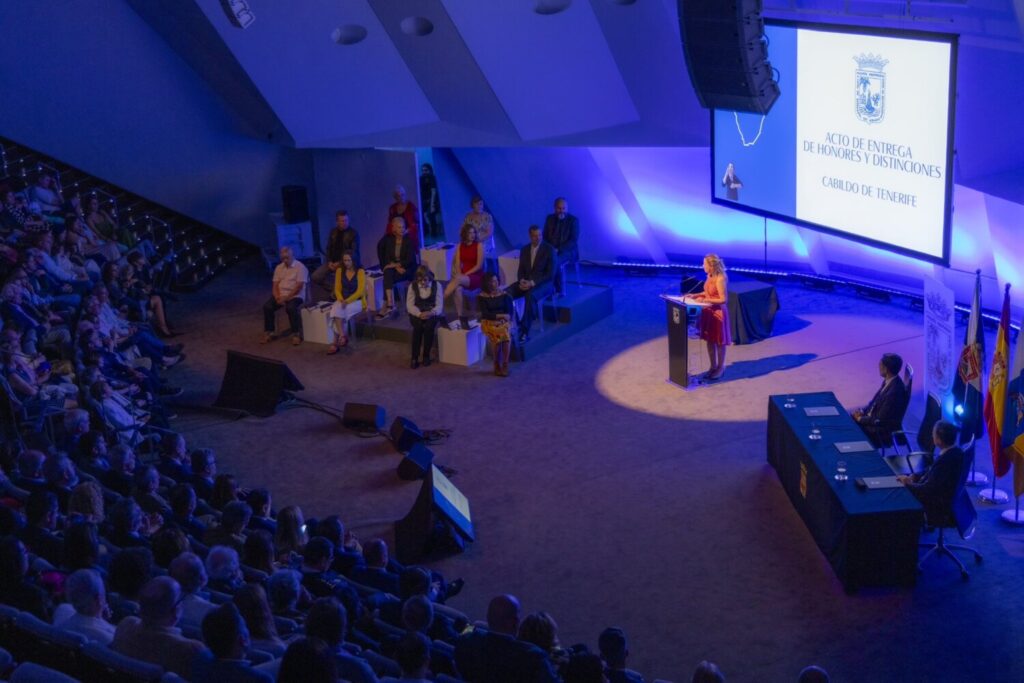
[(1013, 437), (995, 401)]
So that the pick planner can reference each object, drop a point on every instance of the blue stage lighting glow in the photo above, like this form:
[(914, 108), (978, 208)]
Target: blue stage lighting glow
[(959, 410)]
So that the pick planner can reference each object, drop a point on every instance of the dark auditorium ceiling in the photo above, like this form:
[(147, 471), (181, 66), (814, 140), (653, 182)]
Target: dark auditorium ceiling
[(358, 73)]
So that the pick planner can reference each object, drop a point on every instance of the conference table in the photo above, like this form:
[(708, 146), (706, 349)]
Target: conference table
[(869, 536)]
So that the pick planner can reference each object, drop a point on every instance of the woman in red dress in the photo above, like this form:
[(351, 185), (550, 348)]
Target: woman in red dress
[(467, 268), (714, 320)]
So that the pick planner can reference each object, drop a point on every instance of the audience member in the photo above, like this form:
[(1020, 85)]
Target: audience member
[(343, 238), (258, 551), (308, 660), (467, 269), (289, 284), (146, 492), (536, 270), (397, 261), (86, 607), (174, 460), (153, 636), (223, 570), (495, 655), (375, 573), (260, 502), (168, 544), (884, 413), (406, 210), (328, 621), (225, 633), (348, 553), (290, 537), (284, 588), (349, 299), (204, 472), (225, 490), (251, 601), (540, 629), (42, 515), (316, 575), (707, 672), (188, 570), (496, 311), (432, 224), (128, 573), (82, 547), (120, 477), (16, 589), (129, 527), (86, 503), (183, 507), (424, 304), (413, 656), (481, 220), (612, 644), (562, 231), (231, 531)]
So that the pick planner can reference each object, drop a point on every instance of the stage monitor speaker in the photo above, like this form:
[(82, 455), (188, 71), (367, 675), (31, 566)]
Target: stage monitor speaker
[(295, 204), (255, 384), (404, 434), (365, 417), (415, 463), (726, 54), (438, 523)]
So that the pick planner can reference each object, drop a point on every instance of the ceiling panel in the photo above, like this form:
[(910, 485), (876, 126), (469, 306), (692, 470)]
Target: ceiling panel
[(553, 73), (321, 89)]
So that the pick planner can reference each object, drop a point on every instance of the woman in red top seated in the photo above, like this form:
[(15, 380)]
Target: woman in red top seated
[(714, 320), (467, 268)]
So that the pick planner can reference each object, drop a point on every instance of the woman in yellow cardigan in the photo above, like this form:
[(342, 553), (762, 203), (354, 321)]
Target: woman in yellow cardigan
[(349, 298)]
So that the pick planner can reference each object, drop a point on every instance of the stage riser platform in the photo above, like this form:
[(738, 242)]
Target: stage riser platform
[(582, 306)]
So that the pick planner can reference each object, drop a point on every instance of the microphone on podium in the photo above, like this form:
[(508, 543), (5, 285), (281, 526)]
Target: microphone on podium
[(689, 285)]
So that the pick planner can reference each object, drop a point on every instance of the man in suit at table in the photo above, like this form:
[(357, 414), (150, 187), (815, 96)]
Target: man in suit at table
[(562, 231), (536, 271), (936, 486), (884, 414)]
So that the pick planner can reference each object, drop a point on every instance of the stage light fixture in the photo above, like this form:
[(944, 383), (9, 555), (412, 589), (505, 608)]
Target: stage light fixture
[(959, 410)]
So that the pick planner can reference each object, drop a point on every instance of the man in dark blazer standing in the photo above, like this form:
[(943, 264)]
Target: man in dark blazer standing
[(562, 231), (884, 414), (536, 271), (937, 486)]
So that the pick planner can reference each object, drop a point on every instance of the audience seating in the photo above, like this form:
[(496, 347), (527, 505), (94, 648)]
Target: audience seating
[(30, 672), (100, 663)]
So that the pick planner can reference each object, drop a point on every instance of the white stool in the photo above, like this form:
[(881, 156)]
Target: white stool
[(374, 290), (438, 259), (316, 324), (461, 347)]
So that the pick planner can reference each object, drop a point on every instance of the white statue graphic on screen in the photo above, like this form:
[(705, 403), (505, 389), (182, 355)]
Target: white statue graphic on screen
[(870, 88)]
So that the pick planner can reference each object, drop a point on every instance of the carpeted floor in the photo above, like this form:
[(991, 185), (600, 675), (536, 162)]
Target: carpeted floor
[(605, 496)]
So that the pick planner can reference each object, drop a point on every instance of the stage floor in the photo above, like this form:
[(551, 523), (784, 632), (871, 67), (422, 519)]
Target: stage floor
[(606, 496)]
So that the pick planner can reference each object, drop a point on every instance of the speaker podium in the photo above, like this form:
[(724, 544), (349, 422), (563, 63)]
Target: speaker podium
[(678, 310)]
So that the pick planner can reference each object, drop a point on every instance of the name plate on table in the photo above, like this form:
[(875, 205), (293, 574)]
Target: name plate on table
[(821, 411), (881, 482), (854, 447)]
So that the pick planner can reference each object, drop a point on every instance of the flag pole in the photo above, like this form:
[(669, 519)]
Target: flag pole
[(1013, 516), (975, 478), (996, 496)]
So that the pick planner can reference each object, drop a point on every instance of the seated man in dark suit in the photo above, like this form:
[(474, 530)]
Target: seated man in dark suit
[(375, 574), (227, 636), (496, 655), (342, 238), (38, 535), (204, 472), (562, 231), (936, 486), (536, 272), (348, 554), (884, 414)]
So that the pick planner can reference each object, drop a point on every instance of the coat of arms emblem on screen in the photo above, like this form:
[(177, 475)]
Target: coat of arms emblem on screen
[(870, 88)]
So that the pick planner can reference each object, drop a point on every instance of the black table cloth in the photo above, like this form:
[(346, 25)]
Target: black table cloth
[(868, 536), (752, 306)]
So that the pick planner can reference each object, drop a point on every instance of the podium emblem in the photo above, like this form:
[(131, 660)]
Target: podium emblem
[(675, 316)]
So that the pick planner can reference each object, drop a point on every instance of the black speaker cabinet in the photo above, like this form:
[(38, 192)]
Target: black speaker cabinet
[(416, 463), (366, 417), (726, 54), (404, 434), (255, 384), (295, 203)]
